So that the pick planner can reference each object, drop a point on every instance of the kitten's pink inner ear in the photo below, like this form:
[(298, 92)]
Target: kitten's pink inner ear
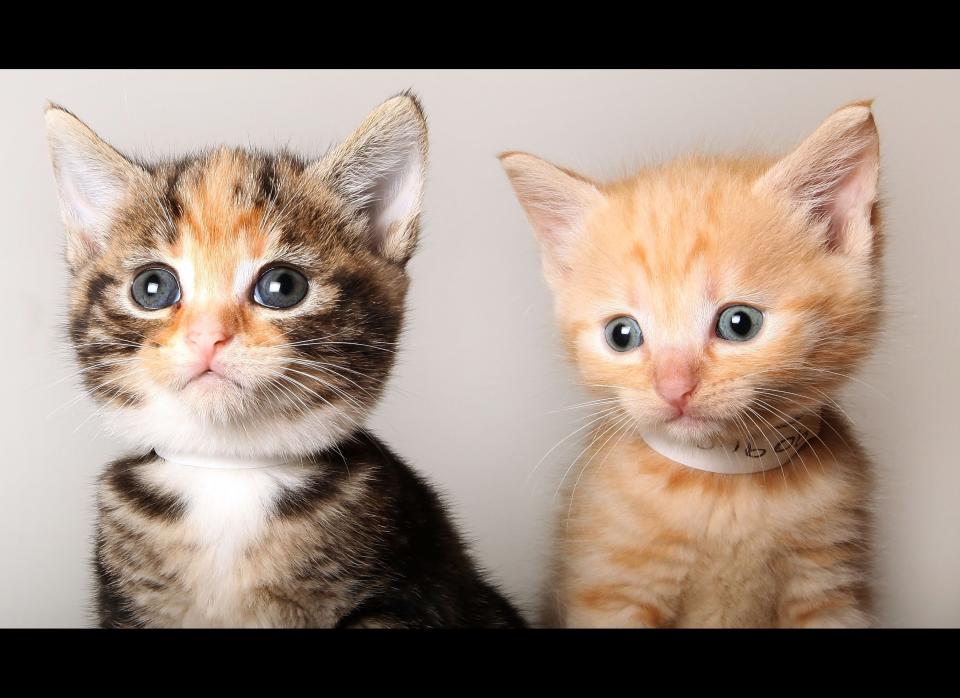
[(380, 170), (556, 202), (851, 209), (92, 181), (833, 176)]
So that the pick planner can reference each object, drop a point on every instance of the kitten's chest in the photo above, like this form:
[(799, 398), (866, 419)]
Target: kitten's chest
[(731, 585), (712, 542), (215, 553)]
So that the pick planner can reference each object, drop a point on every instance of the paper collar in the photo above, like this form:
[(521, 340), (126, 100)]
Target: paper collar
[(196, 460), (755, 453)]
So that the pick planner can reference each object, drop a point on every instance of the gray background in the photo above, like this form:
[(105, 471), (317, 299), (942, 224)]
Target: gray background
[(474, 401)]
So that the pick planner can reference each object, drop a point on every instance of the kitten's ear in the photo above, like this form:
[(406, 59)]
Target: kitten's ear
[(556, 202), (93, 180), (832, 178), (380, 170)]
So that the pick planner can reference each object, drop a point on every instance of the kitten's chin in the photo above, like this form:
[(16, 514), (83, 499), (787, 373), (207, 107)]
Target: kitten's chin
[(211, 382), (174, 424), (690, 429), (696, 429), (215, 397)]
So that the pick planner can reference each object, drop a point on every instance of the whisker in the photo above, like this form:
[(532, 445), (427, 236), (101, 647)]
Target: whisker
[(600, 432), (626, 424), (602, 414)]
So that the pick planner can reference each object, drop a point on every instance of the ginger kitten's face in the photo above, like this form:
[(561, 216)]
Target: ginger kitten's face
[(238, 302), (713, 295)]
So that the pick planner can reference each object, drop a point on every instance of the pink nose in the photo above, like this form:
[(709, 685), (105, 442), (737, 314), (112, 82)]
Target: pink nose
[(205, 336), (675, 382)]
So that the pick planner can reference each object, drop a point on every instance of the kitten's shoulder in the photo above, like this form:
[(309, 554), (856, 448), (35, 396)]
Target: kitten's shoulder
[(359, 467)]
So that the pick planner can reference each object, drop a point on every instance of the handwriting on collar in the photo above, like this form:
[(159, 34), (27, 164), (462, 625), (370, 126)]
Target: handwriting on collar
[(791, 442)]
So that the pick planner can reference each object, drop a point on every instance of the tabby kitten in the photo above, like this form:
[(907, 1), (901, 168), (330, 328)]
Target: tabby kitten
[(235, 315), (714, 306)]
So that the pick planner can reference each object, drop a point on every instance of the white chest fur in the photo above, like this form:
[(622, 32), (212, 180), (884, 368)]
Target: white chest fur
[(226, 515)]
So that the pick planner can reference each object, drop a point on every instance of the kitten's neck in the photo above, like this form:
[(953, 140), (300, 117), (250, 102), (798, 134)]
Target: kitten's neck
[(161, 424), (740, 454)]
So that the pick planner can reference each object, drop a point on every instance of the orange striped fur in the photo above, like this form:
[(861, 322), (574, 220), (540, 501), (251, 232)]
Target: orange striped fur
[(647, 542)]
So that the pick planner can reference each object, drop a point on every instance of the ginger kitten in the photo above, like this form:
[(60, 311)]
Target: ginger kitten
[(235, 315), (714, 307)]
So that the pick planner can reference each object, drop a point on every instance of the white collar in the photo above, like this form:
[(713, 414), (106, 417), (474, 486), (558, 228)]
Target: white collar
[(197, 460), (772, 448)]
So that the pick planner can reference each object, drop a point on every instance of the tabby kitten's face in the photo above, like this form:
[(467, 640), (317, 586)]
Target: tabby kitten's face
[(239, 302), (712, 295)]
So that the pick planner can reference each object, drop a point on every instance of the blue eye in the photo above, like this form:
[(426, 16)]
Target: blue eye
[(623, 334), (155, 289), (738, 323), (280, 287)]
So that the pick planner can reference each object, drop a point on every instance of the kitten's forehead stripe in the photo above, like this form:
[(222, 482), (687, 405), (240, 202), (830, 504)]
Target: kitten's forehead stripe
[(698, 250), (639, 255), (267, 181), (171, 180)]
